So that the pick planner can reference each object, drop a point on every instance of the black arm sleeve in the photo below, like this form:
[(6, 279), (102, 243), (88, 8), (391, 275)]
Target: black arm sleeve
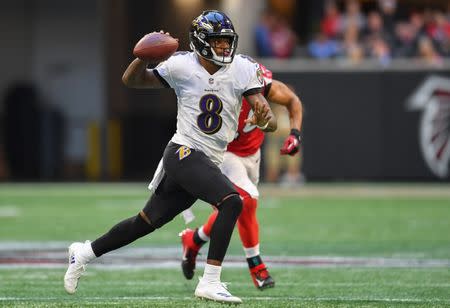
[(253, 91)]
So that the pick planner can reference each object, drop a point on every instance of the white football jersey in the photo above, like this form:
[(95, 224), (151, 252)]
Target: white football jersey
[(208, 105)]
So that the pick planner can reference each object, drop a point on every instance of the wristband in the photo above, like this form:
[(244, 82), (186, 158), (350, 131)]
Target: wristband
[(295, 132)]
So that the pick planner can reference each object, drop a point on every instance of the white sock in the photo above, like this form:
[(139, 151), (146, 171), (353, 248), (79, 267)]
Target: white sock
[(212, 273), (202, 234), (252, 251), (87, 254)]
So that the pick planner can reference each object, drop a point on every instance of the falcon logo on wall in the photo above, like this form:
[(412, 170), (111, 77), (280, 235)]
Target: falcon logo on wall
[(432, 97)]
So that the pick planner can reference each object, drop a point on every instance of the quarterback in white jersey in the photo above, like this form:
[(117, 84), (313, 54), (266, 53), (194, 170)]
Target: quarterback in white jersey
[(209, 86), (209, 104)]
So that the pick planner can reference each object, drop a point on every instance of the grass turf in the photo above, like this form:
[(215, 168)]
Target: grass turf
[(305, 287), (342, 225), (338, 225)]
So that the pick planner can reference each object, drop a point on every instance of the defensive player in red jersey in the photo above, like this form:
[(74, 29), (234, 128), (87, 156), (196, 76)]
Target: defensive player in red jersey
[(241, 165)]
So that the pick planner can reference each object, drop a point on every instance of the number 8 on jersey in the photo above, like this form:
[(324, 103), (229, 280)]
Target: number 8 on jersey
[(210, 121)]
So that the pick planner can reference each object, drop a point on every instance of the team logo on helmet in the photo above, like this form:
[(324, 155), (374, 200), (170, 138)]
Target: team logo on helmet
[(433, 98), (213, 24)]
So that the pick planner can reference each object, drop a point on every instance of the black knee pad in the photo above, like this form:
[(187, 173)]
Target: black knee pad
[(233, 204)]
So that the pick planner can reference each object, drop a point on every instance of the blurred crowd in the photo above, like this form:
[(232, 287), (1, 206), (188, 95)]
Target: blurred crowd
[(381, 32), (273, 36)]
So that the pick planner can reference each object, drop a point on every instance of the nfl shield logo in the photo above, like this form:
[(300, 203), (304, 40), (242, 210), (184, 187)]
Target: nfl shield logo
[(211, 80)]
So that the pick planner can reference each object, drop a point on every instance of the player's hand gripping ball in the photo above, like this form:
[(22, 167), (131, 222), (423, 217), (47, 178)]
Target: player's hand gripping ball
[(292, 143), (155, 47)]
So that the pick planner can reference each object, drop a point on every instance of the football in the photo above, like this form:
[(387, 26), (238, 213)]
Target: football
[(155, 47)]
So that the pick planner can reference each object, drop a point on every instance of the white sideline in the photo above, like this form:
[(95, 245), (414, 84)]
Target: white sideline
[(257, 298)]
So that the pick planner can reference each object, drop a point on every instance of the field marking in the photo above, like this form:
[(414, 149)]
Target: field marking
[(54, 255), (8, 211), (164, 264), (30, 284), (254, 298)]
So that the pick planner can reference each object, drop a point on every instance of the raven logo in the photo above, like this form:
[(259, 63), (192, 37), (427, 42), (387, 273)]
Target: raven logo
[(433, 98)]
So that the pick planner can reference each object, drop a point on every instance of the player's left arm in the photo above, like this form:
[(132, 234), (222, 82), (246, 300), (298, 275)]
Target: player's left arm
[(263, 116), (280, 94)]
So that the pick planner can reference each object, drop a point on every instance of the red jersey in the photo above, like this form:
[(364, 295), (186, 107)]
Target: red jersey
[(249, 137)]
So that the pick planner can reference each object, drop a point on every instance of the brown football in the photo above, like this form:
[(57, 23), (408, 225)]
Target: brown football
[(155, 47)]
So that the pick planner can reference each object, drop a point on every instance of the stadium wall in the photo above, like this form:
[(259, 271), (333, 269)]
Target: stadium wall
[(361, 124), (357, 125)]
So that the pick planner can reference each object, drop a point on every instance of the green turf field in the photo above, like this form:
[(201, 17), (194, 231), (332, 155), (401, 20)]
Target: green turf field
[(404, 222)]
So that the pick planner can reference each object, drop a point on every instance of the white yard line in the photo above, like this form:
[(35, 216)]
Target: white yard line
[(250, 298), (7, 211)]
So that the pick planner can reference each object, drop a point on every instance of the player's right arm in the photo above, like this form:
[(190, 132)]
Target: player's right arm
[(137, 75)]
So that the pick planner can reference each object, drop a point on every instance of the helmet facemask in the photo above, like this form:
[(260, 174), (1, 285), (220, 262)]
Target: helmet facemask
[(227, 53)]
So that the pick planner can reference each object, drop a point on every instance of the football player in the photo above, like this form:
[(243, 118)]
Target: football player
[(241, 165), (209, 83)]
